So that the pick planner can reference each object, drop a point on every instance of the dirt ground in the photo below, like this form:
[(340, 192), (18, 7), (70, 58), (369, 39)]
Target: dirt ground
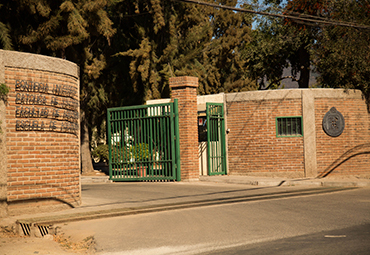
[(60, 244), (12, 244)]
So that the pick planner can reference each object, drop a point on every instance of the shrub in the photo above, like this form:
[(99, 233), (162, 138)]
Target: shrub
[(100, 153), (137, 152), (140, 152)]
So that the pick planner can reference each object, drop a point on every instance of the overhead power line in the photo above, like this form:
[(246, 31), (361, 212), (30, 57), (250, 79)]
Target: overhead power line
[(302, 18)]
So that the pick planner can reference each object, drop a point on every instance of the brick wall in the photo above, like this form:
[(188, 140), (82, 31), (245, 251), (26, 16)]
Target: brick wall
[(185, 90), (42, 133), (253, 148), (349, 153)]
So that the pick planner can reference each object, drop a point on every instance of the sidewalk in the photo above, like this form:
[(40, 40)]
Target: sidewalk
[(263, 181), (269, 181), (103, 198)]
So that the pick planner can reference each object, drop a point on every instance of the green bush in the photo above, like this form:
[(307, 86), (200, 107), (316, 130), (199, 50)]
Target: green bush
[(4, 91), (101, 153), (140, 152)]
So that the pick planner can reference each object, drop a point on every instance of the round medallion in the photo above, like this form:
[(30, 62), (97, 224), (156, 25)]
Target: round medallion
[(333, 123)]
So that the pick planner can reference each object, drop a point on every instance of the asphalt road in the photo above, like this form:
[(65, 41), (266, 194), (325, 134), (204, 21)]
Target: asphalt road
[(352, 240), (328, 223)]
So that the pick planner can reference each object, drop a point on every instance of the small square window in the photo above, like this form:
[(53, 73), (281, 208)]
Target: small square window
[(289, 126)]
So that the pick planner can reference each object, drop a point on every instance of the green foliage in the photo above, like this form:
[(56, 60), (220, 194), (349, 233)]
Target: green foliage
[(5, 39), (163, 38), (101, 153), (267, 54), (342, 54), (140, 152), (4, 90), (137, 152), (281, 43)]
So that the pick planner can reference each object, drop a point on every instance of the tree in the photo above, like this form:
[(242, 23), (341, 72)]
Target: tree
[(164, 38), (342, 54), (223, 66), (282, 43)]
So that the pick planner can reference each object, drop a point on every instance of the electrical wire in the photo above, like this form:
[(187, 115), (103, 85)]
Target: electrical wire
[(309, 19)]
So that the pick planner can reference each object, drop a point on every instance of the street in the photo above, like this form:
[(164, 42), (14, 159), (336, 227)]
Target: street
[(352, 240), (329, 223)]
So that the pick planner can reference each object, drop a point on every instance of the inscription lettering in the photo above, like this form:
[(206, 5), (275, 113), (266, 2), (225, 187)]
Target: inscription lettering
[(61, 107), (52, 126), (30, 86), (64, 90), (39, 87), (33, 112), (70, 116), (55, 114), (69, 104), (29, 125), (30, 99), (67, 127)]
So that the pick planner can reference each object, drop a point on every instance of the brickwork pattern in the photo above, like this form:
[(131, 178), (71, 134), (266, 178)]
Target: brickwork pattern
[(349, 153), (185, 90), (253, 148), (43, 167)]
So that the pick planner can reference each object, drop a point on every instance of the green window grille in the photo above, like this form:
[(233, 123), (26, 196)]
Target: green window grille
[(289, 126)]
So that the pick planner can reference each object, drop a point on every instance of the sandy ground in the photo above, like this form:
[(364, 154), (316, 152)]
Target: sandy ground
[(11, 244)]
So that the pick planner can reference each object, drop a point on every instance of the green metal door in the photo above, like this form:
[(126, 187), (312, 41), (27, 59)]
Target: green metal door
[(142, 143), (216, 139)]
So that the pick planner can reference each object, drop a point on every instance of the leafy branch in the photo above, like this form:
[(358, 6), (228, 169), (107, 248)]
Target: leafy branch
[(4, 91)]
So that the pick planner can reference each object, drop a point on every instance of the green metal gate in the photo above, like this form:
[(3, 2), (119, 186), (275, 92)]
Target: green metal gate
[(216, 139), (142, 143)]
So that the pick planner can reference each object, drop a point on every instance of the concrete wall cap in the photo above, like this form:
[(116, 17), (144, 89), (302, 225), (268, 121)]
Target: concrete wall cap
[(183, 81), (38, 62), (292, 94), (158, 101)]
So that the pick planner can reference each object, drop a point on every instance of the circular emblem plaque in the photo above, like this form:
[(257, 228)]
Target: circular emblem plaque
[(333, 123)]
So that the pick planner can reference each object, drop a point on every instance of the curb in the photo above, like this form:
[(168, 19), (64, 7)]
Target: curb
[(95, 179), (284, 182)]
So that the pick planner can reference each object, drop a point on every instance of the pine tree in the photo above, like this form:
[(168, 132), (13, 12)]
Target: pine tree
[(168, 38), (5, 38)]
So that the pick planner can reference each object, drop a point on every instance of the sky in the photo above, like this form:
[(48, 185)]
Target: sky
[(260, 3)]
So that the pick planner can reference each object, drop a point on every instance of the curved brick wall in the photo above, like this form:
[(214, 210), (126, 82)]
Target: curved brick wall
[(42, 145)]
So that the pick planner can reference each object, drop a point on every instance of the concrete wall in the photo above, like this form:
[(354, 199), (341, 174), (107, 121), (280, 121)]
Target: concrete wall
[(42, 163)]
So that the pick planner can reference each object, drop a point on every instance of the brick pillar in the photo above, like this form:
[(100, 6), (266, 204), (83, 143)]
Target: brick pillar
[(185, 90)]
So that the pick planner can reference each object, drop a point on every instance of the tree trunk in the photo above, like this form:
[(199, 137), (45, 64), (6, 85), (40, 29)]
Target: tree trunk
[(86, 162), (304, 62)]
